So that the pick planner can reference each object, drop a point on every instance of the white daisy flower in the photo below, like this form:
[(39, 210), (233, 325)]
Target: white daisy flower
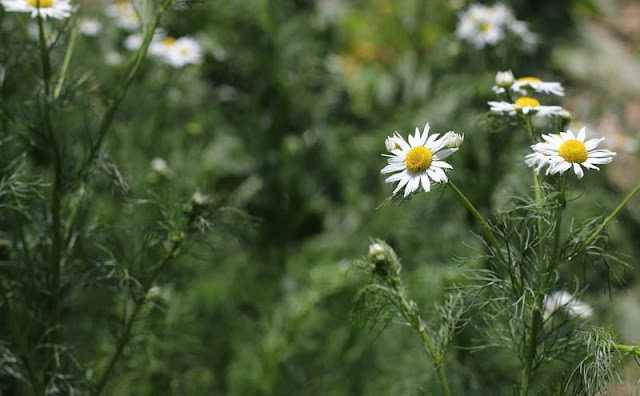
[(56, 9), (504, 79), (565, 300), (124, 14), (537, 85), (90, 27), (159, 165), (479, 27), (454, 140), (524, 105), (177, 52), (565, 151), (418, 162)]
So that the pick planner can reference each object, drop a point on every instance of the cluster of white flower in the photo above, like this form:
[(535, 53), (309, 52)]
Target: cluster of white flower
[(175, 52), (483, 25), (506, 82), (124, 15)]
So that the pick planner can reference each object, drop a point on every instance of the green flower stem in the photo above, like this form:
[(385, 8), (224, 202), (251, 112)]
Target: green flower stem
[(629, 349), (135, 63), (606, 221), (67, 61), (129, 321), (416, 322), (490, 235), (56, 193), (536, 317)]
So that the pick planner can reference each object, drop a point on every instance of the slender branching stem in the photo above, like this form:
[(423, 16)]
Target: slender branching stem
[(416, 323), (56, 192), (606, 221), (130, 320), (107, 118), (67, 61), (490, 235)]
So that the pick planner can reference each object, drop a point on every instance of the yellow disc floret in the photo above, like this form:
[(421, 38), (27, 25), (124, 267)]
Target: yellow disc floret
[(418, 159), (168, 41), (485, 27), (529, 80), (40, 3), (573, 151), (527, 101)]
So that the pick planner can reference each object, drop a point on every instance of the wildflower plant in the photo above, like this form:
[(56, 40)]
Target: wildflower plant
[(517, 300), (57, 249)]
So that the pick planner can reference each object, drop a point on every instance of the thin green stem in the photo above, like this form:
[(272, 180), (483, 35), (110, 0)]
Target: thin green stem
[(538, 193), (416, 322), (490, 235), (107, 118), (129, 321), (606, 221), (66, 62)]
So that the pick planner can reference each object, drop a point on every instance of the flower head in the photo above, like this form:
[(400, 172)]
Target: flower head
[(124, 14), (90, 27), (520, 86), (453, 139), (418, 162), (177, 52), (525, 105), (56, 9), (565, 151)]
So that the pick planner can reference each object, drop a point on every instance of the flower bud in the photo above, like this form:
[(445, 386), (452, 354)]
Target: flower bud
[(391, 143), (504, 79), (376, 252), (453, 140), (159, 165)]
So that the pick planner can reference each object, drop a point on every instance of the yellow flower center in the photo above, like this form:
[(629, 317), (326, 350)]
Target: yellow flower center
[(485, 26), (418, 159), (40, 3), (168, 41), (529, 80), (527, 101), (573, 151)]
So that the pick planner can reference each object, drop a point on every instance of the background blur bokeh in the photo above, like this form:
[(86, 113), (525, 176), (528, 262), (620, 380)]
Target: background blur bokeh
[(284, 121)]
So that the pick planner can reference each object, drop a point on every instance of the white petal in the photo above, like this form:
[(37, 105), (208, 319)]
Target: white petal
[(578, 170), (426, 184)]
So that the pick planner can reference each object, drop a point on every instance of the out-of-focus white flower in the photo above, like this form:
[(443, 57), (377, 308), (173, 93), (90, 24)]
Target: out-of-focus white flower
[(90, 27), (199, 199), (564, 151), (453, 139), (56, 9), (124, 15), (159, 165), (565, 300), (113, 58), (177, 52), (418, 162), (524, 105), (34, 32), (133, 41)]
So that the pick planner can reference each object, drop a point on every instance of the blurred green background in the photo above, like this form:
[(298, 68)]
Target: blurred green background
[(284, 122)]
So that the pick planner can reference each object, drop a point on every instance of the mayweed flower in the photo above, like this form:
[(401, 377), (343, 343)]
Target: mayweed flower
[(504, 81), (376, 252), (483, 25), (537, 85), (418, 162), (56, 9), (90, 27), (124, 14), (524, 105), (564, 151), (565, 300), (177, 52)]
